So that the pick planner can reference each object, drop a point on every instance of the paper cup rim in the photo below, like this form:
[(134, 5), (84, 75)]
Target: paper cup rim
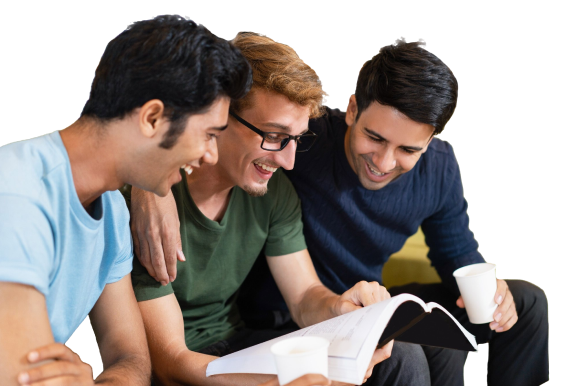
[(457, 272), (308, 352)]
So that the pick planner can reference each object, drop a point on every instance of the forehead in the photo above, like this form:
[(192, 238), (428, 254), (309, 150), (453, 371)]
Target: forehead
[(394, 126), (272, 111)]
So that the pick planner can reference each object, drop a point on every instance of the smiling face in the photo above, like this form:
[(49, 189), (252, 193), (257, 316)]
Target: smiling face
[(382, 143), (158, 168), (242, 160)]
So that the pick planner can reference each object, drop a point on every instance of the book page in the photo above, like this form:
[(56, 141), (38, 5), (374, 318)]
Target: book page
[(346, 334)]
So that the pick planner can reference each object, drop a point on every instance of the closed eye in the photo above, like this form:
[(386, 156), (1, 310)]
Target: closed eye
[(375, 139)]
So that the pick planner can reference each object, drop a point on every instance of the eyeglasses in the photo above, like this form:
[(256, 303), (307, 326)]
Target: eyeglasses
[(273, 141)]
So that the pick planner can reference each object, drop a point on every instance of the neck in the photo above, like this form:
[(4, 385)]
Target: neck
[(92, 160), (210, 190)]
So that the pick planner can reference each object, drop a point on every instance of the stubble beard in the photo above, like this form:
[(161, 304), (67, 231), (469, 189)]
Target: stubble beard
[(255, 192)]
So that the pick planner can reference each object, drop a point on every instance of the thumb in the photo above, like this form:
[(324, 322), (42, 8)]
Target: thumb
[(347, 306), (460, 302)]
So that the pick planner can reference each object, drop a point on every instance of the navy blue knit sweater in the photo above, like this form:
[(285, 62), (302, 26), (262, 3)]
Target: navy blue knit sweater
[(351, 231)]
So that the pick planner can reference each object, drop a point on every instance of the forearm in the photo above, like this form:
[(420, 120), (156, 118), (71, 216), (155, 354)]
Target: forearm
[(129, 370), (189, 368), (316, 305)]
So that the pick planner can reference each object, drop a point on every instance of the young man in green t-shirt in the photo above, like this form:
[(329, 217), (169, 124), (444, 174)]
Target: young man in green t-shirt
[(228, 213)]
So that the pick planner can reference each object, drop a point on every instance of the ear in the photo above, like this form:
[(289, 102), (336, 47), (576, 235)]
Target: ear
[(150, 118), (351, 114)]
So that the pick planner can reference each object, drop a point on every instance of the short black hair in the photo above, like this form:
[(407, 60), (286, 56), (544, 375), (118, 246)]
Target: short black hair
[(172, 59), (410, 79)]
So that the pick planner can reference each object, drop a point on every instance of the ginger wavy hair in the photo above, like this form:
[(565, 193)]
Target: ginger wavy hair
[(277, 67)]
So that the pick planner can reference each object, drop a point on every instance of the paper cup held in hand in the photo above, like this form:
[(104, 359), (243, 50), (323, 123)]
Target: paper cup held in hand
[(298, 356), (477, 284)]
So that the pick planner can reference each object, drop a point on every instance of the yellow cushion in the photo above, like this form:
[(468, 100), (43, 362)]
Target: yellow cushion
[(410, 264)]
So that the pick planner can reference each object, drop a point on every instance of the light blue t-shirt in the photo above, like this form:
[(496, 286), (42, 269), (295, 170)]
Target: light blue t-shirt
[(49, 241)]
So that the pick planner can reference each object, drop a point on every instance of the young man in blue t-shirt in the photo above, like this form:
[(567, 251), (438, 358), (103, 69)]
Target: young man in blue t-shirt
[(159, 99)]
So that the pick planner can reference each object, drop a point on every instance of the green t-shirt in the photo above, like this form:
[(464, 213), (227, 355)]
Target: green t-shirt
[(220, 255)]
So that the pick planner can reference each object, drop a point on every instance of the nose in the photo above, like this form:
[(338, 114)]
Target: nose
[(286, 157), (386, 160), (211, 155)]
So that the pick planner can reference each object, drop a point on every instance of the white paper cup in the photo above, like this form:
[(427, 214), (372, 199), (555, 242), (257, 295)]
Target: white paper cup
[(298, 356), (477, 284)]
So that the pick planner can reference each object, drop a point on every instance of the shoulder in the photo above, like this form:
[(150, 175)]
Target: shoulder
[(330, 124), (438, 158), (26, 165)]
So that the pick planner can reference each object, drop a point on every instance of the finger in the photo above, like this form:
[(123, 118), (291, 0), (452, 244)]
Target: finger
[(181, 255), (504, 312), (509, 324), (460, 302), (157, 256), (135, 243), (502, 288), (49, 370), (368, 293), (170, 255), (384, 293), (145, 258), (60, 381), (381, 354), (52, 351)]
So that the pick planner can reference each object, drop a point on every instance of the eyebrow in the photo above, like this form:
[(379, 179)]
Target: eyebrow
[(373, 133), (284, 128), (220, 128)]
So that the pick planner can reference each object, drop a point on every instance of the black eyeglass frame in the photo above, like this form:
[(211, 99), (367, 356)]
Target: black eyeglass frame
[(284, 142)]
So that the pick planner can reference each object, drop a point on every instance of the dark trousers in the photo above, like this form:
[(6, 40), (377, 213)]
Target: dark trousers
[(518, 356)]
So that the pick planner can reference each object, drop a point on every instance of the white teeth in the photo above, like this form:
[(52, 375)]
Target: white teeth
[(373, 171), (188, 168), (268, 168)]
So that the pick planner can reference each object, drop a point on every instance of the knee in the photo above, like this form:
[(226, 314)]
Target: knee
[(530, 299), (409, 357)]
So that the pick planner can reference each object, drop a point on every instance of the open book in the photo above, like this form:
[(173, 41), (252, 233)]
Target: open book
[(354, 337)]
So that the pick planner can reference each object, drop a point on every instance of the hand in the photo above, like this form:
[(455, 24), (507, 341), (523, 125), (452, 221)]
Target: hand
[(505, 315), (64, 368), (360, 295), (305, 380), (155, 228), (379, 355)]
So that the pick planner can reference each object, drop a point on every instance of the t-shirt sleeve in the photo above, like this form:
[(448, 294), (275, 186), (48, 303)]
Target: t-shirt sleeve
[(451, 242), (26, 243), (145, 287), (286, 228)]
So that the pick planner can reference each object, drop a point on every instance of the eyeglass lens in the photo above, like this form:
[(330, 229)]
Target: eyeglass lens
[(277, 141)]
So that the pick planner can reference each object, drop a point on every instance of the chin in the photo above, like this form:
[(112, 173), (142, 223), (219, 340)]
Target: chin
[(255, 191)]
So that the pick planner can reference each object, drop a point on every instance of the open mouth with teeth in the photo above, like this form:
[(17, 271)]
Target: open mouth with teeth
[(188, 168), (265, 171), (375, 172)]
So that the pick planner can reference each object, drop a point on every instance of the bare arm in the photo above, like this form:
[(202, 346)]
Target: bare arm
[(121, 338), (173, 363), (30, 356), (309, 301), (154, 224), (24, 326)]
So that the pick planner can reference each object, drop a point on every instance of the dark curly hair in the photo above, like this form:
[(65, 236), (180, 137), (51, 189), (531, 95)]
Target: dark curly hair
[(172, 59)]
